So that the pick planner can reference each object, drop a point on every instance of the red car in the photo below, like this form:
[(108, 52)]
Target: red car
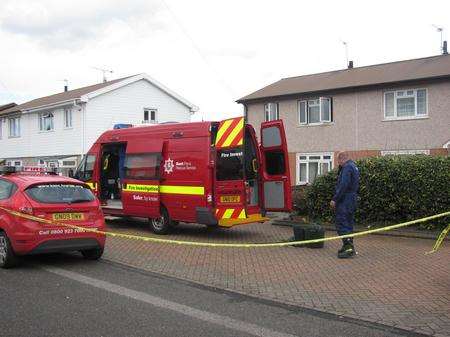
[(48, 196)]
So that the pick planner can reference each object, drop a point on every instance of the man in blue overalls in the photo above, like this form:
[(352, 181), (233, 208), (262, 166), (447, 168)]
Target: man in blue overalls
[(344, 202)]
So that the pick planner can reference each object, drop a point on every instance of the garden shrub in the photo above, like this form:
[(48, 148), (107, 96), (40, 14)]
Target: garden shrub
[(392, 189)]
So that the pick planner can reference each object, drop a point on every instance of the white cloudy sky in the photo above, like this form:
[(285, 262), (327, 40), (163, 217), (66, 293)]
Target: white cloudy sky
[(210, 52)]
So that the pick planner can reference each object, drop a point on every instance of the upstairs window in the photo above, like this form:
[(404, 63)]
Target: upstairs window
[(271, 112), (67, 118), (14, 127), (150, 116), (314, 111), (46, 122), (400, 104)]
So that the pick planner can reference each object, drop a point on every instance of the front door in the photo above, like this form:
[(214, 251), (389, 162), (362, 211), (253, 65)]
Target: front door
[(275, 167)]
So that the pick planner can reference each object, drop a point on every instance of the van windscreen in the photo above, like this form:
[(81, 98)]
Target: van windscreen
[(230, 164)]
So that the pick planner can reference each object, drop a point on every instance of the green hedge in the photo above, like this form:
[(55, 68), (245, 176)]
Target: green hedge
[(392, 189)]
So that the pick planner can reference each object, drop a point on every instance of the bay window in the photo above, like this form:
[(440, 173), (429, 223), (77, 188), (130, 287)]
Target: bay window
[(314, 111), (410, 103)]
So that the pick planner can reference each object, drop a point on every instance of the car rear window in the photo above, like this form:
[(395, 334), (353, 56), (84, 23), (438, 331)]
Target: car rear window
[(60, 193)]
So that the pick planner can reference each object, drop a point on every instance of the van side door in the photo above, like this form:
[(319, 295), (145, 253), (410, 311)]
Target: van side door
[(275, 167), (141, 178)]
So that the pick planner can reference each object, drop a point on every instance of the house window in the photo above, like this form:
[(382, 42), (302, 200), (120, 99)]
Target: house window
[(404, 152), (46, 122), (14, 163), (67, 118), (271, 112), (314, 111), (14, 127), (411, 103), (150, 116), (312, 165)]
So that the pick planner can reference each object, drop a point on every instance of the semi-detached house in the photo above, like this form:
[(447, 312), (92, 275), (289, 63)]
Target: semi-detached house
[(385, 109), (57, 130)]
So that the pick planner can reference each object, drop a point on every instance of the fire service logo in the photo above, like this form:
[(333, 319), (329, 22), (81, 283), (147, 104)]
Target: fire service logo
[(168, 165)]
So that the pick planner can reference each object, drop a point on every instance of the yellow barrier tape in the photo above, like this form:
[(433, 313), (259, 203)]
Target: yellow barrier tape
[(440, 239), (232, 245)]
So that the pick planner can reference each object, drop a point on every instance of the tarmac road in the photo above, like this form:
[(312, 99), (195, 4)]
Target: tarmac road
[(64, 295)]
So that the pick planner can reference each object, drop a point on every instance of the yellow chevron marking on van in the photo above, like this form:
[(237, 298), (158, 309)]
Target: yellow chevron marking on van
[(238, 128), (242, 215), (228, 213), (222, 129)]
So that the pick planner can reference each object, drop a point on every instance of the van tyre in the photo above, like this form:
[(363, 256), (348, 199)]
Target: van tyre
[(7, 257), (163, 224), (92, 254)]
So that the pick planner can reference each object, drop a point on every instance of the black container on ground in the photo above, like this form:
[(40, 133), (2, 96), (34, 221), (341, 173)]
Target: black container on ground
[(305, 232)]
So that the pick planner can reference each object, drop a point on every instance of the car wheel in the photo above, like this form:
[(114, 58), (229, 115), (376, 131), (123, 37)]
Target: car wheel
[(162, 224), (7, 257), (92, 254)]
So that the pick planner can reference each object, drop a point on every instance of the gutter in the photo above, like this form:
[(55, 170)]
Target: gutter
[(49, 106)]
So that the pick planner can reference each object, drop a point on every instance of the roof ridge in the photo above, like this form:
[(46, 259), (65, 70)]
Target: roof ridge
[(367, 66)]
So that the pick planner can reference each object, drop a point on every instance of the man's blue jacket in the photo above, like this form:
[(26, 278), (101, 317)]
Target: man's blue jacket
[(347, 187)]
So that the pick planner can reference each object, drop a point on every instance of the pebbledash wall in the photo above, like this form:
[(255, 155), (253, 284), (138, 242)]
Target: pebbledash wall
[(359, 126)]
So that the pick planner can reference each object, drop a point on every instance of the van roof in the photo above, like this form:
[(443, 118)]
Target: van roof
[(191, 129)]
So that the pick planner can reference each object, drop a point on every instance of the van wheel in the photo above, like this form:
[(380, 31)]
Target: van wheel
[(7, 257), (162, 224), (92, 254)]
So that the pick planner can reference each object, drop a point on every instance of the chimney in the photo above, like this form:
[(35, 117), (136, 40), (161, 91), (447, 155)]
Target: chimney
[(350, 64), (66, 88), (66, 85), (444, 48)]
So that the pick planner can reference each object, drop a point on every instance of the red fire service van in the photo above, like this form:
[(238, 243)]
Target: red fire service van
[(212, 173)]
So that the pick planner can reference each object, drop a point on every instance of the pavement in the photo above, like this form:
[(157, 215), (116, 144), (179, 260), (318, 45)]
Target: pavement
[(65, 295), (391, 282)]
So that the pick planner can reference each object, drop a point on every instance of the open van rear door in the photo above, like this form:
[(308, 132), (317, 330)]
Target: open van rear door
[(275, 167)]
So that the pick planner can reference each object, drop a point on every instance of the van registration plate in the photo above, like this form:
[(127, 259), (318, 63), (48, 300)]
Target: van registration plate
[(68, 216), (230, 198)]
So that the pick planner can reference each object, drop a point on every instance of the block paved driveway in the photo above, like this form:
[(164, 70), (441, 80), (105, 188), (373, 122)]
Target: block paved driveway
[(391, 281)]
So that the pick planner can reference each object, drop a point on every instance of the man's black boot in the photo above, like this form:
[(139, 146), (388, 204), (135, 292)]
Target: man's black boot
[(348, 250)]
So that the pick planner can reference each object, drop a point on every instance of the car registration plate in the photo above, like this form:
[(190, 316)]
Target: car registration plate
[(68, 216), (230, 198)]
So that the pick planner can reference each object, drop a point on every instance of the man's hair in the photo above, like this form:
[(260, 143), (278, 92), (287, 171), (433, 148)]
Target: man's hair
[(343, 155)]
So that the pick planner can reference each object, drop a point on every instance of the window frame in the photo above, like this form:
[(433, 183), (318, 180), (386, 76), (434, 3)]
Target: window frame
[(268, 113), (68, 112), (395, 93), (404, 152), (307, 105), (11, 135), (149, 112), (320, 161), (41, 118)]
